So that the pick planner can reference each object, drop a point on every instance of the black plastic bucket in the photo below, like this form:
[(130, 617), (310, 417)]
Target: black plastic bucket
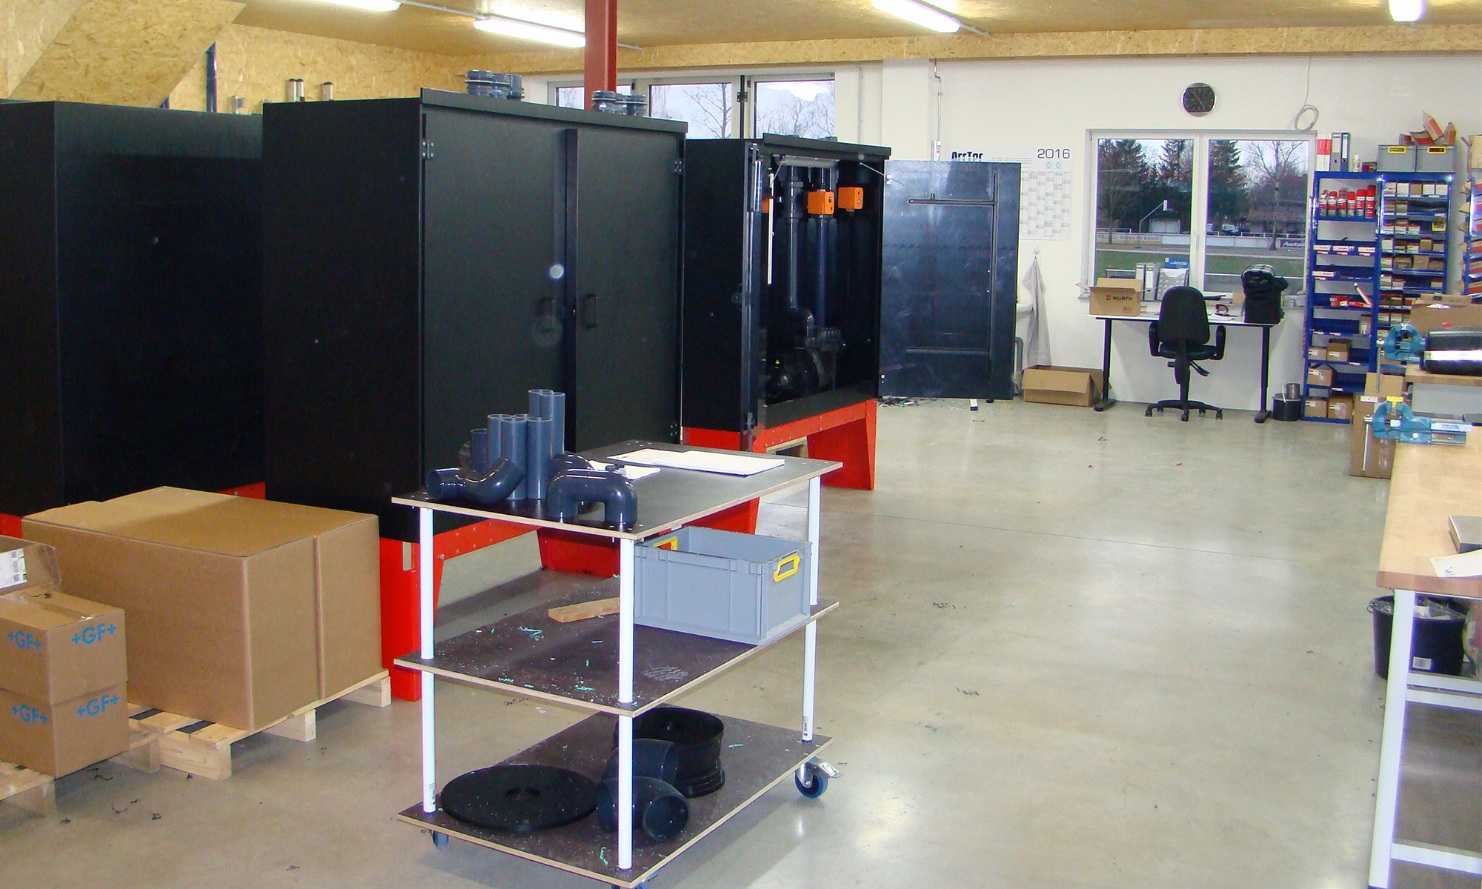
[(1435, 647)]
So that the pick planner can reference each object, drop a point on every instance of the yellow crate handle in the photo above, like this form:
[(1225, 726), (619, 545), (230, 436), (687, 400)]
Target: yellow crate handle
[(792, 562), (671, 543)]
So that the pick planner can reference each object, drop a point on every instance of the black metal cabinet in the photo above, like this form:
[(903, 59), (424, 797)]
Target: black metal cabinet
[(130, 288), (951, 263), (429, 260), (781, 315)]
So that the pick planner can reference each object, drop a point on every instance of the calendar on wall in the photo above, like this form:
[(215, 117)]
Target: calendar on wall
[(1045, 181)]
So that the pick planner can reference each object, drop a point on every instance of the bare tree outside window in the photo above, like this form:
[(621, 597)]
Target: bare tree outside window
[(706, 107), (802, 108)]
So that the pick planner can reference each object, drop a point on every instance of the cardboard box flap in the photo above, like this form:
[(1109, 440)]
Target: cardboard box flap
[(1115, 284), (45, 608), (24, 563)]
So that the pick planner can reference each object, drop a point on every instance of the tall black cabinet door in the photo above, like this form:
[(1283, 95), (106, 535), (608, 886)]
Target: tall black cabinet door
[(625, 366), (490, 315), (948, 288)]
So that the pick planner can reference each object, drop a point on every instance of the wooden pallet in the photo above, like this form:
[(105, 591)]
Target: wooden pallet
[(205, 748), (28, 790)]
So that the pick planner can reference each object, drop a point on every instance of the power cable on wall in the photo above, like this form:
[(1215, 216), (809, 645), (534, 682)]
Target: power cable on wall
[(936, 147), (1306, 106)]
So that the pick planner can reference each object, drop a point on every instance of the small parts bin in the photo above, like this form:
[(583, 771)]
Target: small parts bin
[(738, 587)]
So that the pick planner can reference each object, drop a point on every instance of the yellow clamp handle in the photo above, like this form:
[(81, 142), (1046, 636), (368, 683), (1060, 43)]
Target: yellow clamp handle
[(792, 562)]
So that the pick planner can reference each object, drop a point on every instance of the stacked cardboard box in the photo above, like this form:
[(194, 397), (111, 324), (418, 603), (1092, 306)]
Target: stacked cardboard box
[(62, 668), (1368, 456), (241, 611)]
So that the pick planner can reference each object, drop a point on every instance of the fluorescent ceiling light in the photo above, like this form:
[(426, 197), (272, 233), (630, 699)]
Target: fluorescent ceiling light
[(368, 5), (1406, 10), (523, 30), (923, 15)]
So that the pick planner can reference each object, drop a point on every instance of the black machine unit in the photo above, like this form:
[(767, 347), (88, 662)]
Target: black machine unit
[(950, 280), (429, 260), (130, 288), (781, 279)]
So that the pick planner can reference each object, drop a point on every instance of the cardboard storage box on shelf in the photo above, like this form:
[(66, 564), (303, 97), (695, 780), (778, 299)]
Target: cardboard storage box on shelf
[(61, 668), (1076, 386), (1315, 408), (221, 612), (1320, 375), (1338, 350), (60, 738), (1368, 457), (1340, 407), (1116, 296), (1317, 353)]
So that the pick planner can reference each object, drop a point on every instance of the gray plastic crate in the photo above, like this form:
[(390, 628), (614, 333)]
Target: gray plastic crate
[(1435, 159), (739, 587), (1396, 159)]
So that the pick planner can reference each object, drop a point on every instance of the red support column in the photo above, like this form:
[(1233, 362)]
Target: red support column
[(600, 59)]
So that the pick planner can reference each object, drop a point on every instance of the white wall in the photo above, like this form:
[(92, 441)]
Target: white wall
[(992, 104)]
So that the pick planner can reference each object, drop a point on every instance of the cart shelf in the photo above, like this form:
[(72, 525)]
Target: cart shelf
[(575, 664), (756, 758)]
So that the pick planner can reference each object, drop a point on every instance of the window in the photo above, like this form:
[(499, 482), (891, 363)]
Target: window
[(1199, 208), (576, 96), (706, 107), (794, 108)]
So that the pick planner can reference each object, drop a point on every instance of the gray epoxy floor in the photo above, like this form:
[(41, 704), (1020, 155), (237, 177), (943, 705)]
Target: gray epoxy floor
[(1076, 650)]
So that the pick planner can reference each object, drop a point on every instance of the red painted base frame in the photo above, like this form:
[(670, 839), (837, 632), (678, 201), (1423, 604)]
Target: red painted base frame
[(846, 435)]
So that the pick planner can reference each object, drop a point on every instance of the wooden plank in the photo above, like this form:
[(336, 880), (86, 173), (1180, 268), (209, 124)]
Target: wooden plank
[(375, 692), (143, 754), (301, 727), (164, 723), (28, 790), (565, 614), (180, 752), (1430, 483)]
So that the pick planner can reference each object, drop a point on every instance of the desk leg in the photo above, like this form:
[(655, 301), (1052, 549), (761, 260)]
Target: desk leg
[(1263, 411), (626, 608), (425, 562), (1387, 796), (1106, 396)]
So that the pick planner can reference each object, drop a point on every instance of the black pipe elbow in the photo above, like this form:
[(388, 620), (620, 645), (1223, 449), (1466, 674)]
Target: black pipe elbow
[(572, 488), (562, 462), (486, 489)]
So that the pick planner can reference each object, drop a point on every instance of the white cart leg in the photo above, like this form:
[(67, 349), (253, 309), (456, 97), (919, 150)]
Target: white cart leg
[(426, 618), (810, 633), (626, 607), (1393, 740)]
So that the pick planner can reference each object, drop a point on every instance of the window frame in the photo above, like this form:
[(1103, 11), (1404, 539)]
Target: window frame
[(1199, 195), (743, 88)]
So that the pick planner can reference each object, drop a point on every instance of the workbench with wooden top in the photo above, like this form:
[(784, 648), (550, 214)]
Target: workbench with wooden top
[(1430, 484)]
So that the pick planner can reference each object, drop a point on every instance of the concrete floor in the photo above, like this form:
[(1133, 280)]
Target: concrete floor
[(1076, 650)]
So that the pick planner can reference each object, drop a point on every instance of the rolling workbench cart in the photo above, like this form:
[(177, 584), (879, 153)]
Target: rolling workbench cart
[(618, 671)]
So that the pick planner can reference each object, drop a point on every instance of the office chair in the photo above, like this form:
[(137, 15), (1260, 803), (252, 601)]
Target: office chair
[(1263, 289), (1182, 333)]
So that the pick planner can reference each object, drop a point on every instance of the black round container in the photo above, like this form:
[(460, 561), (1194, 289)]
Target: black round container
[(658, 809), (1286, 410), (1435, 647), (520, 799), (609, 102), (696, 737)]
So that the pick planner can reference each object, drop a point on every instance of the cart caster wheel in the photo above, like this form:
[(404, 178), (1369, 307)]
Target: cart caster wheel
[(815, 785), (439, 839)]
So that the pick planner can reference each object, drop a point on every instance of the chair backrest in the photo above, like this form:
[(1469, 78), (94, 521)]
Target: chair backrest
[(1183, 317)]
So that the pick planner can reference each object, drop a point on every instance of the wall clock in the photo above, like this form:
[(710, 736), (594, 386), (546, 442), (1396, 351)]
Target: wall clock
[(1199, 99)]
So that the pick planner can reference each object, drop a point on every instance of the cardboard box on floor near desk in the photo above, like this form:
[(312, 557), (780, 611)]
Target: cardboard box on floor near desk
[(1075, 386), (1368, 457), (62, 668), (1116, 296)]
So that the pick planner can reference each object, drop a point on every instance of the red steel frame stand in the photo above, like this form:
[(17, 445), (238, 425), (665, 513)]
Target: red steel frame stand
[(846, 435)]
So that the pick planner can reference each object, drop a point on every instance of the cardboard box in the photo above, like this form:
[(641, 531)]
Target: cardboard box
[(221, 613), (1116, 296), (1317, 353), (55, 647), (1340, 407), (58, 739), (1078, 386), (1315, 408), (1368, 457), (1453, 299), (1337, 350), (25, 563), (1320, 375), (1429, 317)]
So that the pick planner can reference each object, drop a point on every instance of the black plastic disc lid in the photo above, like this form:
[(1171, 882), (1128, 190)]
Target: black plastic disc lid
[(520, 798)]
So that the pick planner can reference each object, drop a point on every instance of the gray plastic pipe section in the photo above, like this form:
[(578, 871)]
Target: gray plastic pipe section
[(551, 405), (537, 457), (479, 455), (574, 487), (487, 489), (512, 448), (495, 425)]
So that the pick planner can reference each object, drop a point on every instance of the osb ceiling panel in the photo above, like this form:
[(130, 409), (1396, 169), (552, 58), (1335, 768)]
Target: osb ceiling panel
[(654, 23)]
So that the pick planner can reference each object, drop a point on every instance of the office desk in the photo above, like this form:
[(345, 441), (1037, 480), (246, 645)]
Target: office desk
[(1216, 320), (1430, 482)]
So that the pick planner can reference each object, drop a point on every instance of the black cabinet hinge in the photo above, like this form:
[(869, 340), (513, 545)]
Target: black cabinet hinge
[(679, 166), (427, 149)]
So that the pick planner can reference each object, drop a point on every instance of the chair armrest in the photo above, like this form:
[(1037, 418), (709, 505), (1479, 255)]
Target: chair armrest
[(1153, 339), (1219, 343)]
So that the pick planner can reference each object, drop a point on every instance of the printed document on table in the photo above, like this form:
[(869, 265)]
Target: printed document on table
[(701, 461)]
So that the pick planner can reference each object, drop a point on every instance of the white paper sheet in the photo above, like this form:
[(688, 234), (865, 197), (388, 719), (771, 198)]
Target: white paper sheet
[(701, 461)]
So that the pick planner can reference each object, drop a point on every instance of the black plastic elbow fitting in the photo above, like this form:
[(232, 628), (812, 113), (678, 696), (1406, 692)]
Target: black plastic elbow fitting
[(572, 488), (486, 489)]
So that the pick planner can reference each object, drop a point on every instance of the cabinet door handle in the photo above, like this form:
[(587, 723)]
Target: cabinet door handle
[(589, 310)]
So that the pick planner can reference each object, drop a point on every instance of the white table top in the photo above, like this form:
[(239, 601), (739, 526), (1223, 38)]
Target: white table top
[(1232, 320)]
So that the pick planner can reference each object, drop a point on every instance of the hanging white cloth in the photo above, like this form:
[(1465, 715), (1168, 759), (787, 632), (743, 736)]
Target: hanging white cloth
[(1037, 335)]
